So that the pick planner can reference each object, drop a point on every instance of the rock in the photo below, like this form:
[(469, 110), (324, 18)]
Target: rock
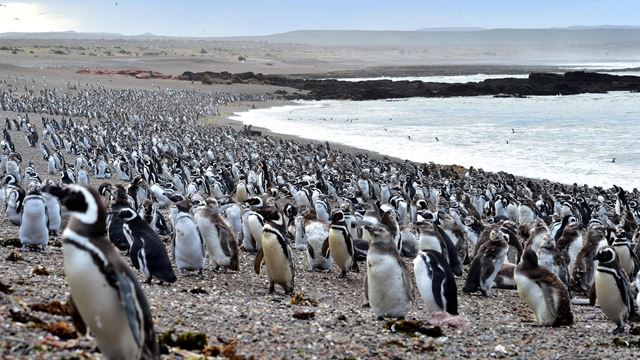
[(304, 315)]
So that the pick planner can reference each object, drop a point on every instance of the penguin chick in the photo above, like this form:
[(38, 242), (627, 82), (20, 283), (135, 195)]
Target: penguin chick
[(550, 257), (219, 239), (387, 285), (34, 229), (435, 282), (543, 291), (486, 264), (103, 288), (187, 245)]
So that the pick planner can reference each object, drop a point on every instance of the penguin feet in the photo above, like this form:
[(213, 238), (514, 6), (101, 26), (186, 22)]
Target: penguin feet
[(201, 273), (343, 275), (272, 288), (619, 330), (53, 233)]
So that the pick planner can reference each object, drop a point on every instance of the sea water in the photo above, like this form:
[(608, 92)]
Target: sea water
[(561, 138)]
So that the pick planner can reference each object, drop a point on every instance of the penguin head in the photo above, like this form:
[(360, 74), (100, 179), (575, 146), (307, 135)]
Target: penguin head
[(529, 260), (378, 232), (127, 214), (82, 203), (337, 216), (548, 242), (499, 234), (255, 201), (211, 202), (606, 255)]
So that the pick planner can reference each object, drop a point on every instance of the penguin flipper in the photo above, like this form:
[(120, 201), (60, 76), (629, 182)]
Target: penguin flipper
[(81, 327), (129, 301), (258, 261), (325, 248)]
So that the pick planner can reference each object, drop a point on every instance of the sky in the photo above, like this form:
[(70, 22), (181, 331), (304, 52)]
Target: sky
[(262, 17)]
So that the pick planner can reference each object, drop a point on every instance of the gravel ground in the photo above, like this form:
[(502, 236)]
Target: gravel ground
[(235, 307)]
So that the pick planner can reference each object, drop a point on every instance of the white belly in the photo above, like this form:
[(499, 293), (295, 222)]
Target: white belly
[(99, 305), (532, 294), (387, 294), (339, 250), (188, 249), (278, 269), (33, 230), (425, 287), (428, 242), (211, 238), (609, 298)]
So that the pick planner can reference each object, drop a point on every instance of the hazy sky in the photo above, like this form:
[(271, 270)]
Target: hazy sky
[(259, 17)]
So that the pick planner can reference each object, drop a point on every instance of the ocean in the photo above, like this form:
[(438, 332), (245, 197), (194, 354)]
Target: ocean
[(561, 138)]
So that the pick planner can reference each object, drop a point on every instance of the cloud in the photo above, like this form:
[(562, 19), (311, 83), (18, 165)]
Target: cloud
[(31, 17)]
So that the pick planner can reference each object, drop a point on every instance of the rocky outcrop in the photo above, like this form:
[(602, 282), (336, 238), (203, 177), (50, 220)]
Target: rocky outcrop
[(138, 74), (570, 83)]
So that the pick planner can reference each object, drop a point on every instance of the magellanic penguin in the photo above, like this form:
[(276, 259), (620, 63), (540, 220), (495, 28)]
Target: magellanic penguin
[(187, 245), (316, 234), (34, 227), (583, 273), (103, 288), (543, 291), (387, 286), (53, 210), (435, 282), (147, 250), (339, 245), (487, 262), (218, 237), (551, 258), (277, 255), (612, 289), (627, 258)]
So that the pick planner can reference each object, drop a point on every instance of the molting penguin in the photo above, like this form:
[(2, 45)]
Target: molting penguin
[(187, 244), (487, 262), (436, 282), (34, 230), (340, 245), (387, 285), (317, 233), (583, 273), (612, 289), (543, 291), (554, 260), (218, 237), (147, 250), (103, 289)]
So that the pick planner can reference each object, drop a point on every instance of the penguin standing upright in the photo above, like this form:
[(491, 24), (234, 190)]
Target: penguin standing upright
[(627, 258), (53, 210), (543, 291), (187, 244), (147, 251), (435, 282), (116, 223), (551, 258), (34, 227), (316, 233), (218, 237), (340, 245), (612, 289), (103, 289), (14, 200), (387, 285), (487, 262), (277, 255)]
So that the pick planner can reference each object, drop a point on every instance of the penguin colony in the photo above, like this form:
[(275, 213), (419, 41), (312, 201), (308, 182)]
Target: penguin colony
[(214, 192)]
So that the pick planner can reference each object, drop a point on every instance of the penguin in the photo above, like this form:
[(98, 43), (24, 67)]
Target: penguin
[(252, 224), (583, 273), (339, 245), (504, 279), (569, 240), (543, 291), (487, 262), (612, 289), (53, 210), (387, 286), (103, 288), (187, 244), (554, 260), (218, 237), (34, 227), (147, 251), (15, 198), (626, 256), (278, 258), (116, 223), (435, 282), (317, 233)]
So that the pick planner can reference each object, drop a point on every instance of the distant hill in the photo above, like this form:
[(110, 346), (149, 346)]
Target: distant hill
[(68, 35)]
